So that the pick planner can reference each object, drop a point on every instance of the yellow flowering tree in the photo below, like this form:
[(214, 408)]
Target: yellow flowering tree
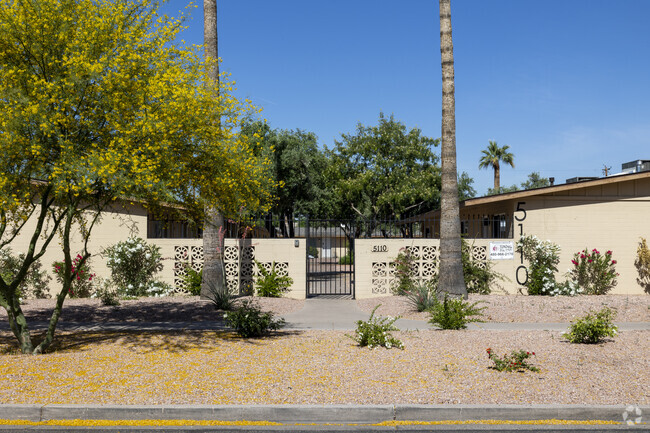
[(98, 102)]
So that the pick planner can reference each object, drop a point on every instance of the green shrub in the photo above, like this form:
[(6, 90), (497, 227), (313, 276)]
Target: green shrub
[(593, 272), (133, 264), (479, 275), (404, 272), (423, 295), (193, 280), (249, 321), (82, 283), (347, 259), (376, 332), (271, 284), (313, 252), (642, 264), (35, 283), (543, 258), (592, 328), (516, 361), (454, 313), (106, 292)]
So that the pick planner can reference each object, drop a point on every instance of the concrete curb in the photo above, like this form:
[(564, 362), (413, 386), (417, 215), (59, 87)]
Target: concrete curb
[(319, 414)]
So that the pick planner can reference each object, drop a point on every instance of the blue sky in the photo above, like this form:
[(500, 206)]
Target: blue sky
[(566, 84)]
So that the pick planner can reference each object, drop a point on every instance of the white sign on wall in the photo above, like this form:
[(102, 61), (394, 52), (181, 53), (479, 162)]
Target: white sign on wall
[(502, 250)]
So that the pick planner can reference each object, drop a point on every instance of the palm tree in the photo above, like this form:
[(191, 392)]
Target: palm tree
[(213, 226), (451, 267), (492, 157)]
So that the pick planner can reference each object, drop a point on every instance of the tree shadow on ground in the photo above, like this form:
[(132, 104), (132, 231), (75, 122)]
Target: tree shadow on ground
[(174, 341), (155, 310)]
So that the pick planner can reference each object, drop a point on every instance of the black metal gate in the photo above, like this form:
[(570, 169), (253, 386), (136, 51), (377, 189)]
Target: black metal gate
[(330, 258)]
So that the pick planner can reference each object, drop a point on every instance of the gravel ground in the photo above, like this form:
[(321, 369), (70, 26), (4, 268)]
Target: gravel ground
[(325, 367), (322, 367), (532, 309), (500, 308)]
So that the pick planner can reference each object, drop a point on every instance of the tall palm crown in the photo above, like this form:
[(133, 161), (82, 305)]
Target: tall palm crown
[(492, 157)]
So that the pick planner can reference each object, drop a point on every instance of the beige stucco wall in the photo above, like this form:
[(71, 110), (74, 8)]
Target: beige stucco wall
[(114, 226), (578, 222), (374, 258)]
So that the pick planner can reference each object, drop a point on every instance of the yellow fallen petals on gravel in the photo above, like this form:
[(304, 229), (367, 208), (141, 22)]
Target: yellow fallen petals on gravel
[(322, 367)]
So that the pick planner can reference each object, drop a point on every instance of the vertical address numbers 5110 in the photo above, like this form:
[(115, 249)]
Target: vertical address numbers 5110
[(520, 216)]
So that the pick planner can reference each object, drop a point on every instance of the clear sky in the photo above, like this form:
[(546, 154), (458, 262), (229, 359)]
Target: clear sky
[(564, 83)]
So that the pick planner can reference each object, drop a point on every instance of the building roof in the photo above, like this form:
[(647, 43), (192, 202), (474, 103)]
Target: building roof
[(561, 188)]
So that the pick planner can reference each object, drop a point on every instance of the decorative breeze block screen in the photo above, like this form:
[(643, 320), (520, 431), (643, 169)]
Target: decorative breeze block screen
[(239, 265), (424, 266)]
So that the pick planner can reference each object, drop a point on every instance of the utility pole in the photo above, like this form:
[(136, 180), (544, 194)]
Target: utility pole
[(606, 169)]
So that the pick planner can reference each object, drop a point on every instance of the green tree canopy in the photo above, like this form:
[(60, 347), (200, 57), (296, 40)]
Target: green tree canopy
[(298, 167), (383, 171), (99, 103), (535, 180)]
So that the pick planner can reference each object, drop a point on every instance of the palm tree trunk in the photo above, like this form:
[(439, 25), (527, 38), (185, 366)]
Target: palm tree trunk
[(213, 226), (497, 178), (451, 268)]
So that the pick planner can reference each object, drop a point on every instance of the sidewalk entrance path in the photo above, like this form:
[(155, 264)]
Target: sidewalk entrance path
[(337, 314)]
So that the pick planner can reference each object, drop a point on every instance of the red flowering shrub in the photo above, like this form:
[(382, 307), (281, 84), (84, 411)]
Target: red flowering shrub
[(516, 361), (594, 272)]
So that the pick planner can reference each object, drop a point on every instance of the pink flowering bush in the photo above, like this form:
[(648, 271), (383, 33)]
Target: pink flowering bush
[(594, 272), (82, 277)]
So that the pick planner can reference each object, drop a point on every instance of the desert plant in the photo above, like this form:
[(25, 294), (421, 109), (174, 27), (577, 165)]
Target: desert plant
[(82, 282), (193, 280), (133, 264), (404, 272), (376, 332), (223, 300), (516, 361), (642, 264), (106, 292), (313, 252), (248, 320), (454, 313), (271, 284), (35, 284), (593, 327), (423, 295), (593, 272)]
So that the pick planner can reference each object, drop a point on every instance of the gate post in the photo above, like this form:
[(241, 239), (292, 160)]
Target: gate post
[(306, 256)]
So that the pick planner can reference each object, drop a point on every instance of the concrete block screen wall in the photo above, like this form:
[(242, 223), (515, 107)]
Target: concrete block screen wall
[(375, 262), (241, 257)]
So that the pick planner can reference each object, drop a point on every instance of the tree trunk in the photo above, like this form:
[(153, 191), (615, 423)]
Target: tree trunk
[(497, 178), (213, 226), (18, 325), (451, 268)]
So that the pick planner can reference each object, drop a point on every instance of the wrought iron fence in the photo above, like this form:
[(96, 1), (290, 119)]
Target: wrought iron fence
[(485, 227)]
